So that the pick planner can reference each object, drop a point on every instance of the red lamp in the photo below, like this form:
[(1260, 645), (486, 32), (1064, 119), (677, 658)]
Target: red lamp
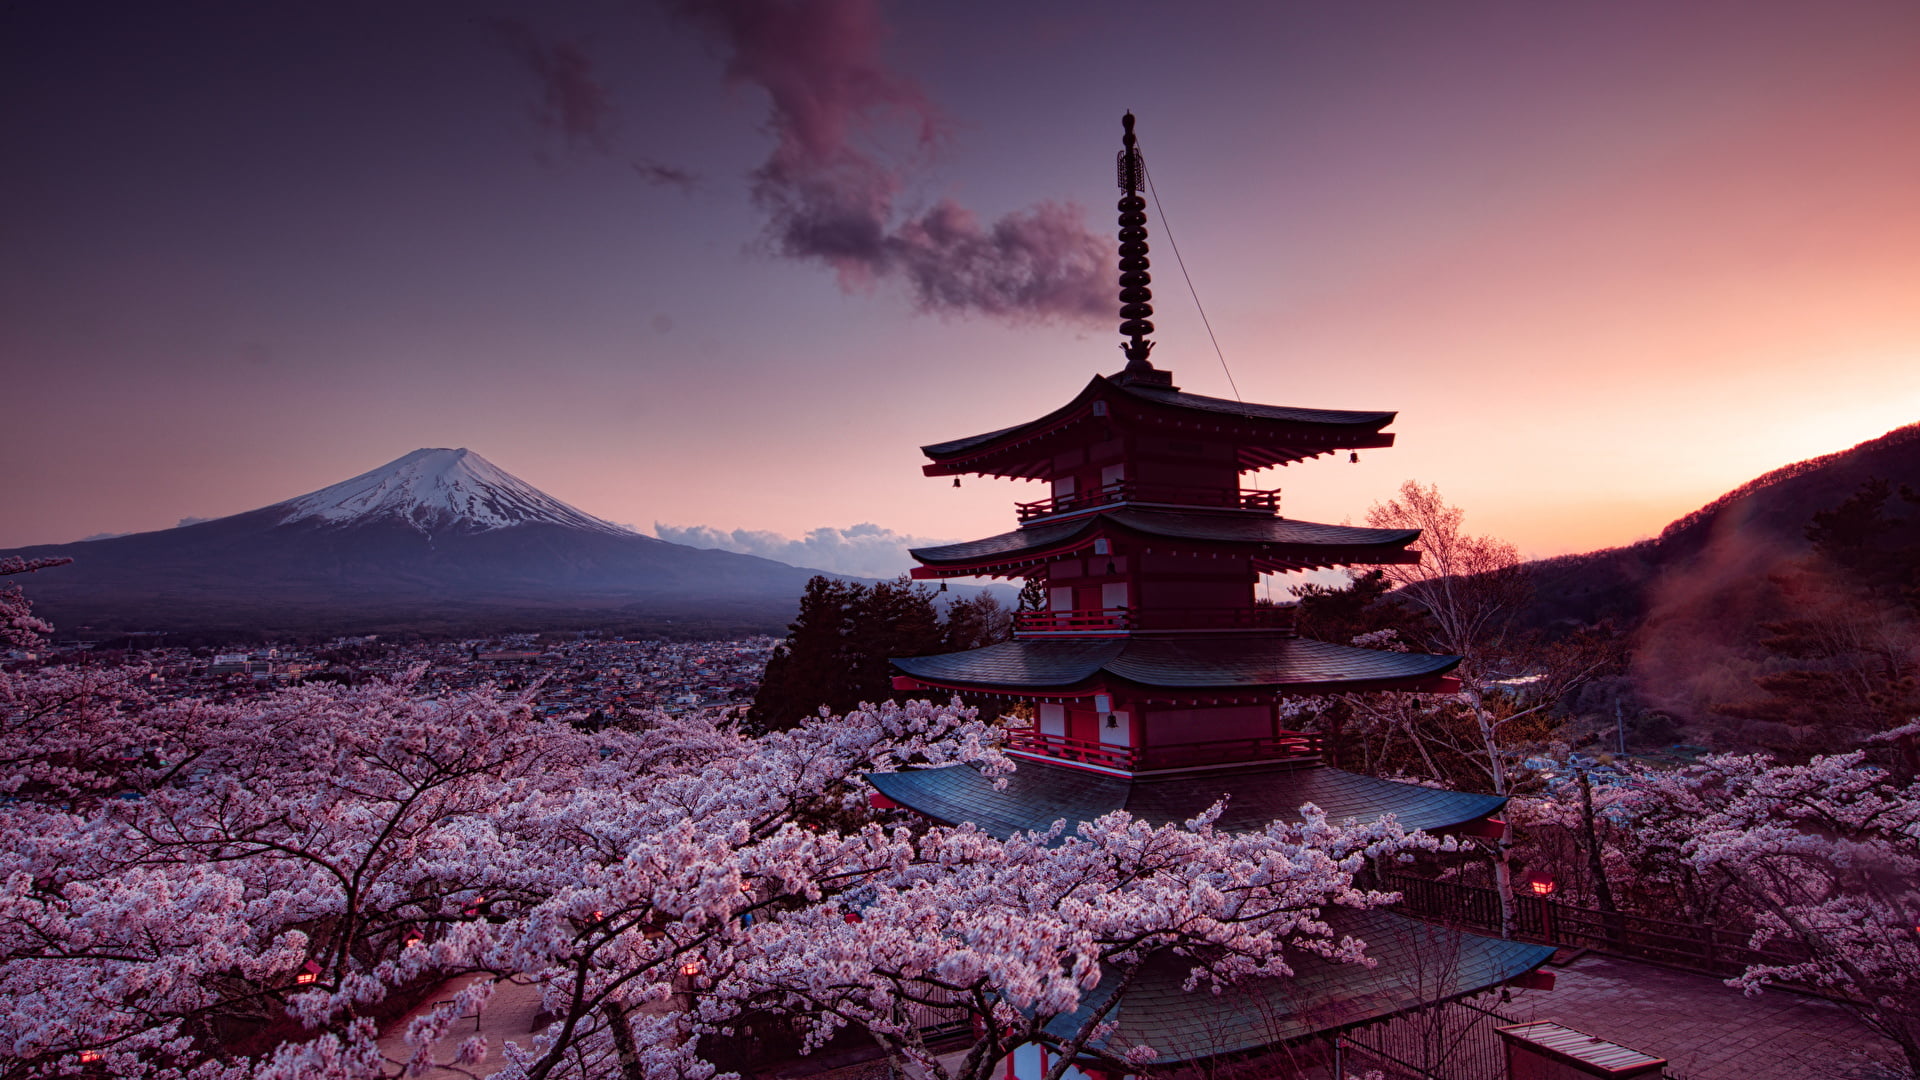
[(308, 974), (1540, 883)]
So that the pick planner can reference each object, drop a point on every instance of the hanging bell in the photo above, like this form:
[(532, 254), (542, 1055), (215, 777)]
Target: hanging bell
[(943, 586), (1110, 566), (1352, 459), (956, 481)]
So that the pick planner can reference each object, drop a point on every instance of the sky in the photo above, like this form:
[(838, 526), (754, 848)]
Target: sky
[(718, 269)]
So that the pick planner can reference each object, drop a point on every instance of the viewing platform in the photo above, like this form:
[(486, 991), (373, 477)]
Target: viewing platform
[(1122, 620), (1123, 492), (1288, 746)]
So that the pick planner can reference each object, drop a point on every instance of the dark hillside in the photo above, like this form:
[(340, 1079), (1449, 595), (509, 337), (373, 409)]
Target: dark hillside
[(1783, 616), (1744, 531)]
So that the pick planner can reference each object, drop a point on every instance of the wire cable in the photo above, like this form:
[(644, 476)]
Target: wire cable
[(1175, 244)]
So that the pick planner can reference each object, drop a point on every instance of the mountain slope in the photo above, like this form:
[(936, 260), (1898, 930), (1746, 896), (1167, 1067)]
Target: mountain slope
[(438, 540), (433, 489), (1737, 536)]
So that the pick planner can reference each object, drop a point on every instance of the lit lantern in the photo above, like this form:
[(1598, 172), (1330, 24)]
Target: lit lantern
[(690, 968), (308, 974), (1540, 883), (88, 1057)]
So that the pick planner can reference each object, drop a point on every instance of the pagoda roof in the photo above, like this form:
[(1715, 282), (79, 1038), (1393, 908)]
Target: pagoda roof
[(1297, 665), (1270, 434), (1039, 793), (1416, 964), (1296, 544)]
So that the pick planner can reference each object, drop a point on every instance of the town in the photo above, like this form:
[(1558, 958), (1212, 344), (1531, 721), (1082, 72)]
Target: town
[(601, 679)]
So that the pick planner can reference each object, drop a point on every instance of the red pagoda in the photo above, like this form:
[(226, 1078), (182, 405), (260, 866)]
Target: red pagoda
[(1155, 675)]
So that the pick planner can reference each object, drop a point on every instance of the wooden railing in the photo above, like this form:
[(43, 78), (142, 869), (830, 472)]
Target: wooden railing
[(1124, 491), (1288, 746), (1119, 620), (1074, 621), (1691, 945)]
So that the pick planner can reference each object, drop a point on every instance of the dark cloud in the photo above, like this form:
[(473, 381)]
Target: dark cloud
[(664, 175), (573, 102), (830, 197)]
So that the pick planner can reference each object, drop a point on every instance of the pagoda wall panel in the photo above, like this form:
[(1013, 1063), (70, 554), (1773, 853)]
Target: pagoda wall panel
[(1153, 446), (1196, 593), (1215, 476), (1165, 726), (1158, 561)]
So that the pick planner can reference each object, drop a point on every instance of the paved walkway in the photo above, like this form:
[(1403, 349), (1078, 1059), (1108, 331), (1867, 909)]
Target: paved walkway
[(1705, 1029), (507, 1017)]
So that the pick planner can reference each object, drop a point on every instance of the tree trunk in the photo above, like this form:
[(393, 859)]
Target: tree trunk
[(1596, 866), (1503, 877), (623, 1047), (1497, 769)]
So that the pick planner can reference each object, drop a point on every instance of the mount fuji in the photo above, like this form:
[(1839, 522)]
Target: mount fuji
[(438, 541)]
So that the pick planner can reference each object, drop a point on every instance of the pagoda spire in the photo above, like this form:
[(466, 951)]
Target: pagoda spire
[(1136, 299)]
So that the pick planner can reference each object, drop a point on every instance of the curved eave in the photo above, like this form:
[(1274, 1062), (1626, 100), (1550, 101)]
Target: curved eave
[(1276, 544), (1415, 965), (1037, 794), (1272, 434), (1217, 666)]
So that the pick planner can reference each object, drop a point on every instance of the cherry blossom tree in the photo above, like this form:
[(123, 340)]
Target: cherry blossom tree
[(1471, 588), (243, 889), (317, 833), (1825, 854), (1016, 935)]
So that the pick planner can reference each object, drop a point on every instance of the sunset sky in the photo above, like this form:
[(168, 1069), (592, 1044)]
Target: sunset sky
[(727, 265)]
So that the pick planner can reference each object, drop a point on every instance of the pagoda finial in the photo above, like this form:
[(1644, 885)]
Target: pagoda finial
[(1135, 297)]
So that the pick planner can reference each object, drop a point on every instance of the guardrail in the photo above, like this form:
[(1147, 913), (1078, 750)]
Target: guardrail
[(1120, 620), (1124, 491), (1284, 747), (1710, 949)]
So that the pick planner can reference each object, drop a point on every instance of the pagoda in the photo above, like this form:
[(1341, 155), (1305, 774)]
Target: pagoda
[(1155, 676)]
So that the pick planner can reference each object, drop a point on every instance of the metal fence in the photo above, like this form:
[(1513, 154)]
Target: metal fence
[(1709, 949), (1455, 1041)]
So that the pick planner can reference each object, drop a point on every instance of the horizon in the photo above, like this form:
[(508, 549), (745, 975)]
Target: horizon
[(1606, 264), (859, 549)]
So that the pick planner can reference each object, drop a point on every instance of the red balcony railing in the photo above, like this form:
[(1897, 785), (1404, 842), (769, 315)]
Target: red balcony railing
[(1288, 746), (1125, 620), (1123, 491)]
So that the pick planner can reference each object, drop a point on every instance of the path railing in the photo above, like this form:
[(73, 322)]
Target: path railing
[(1115, 620), (1127, 491), (1286, 746), (1710, 949)]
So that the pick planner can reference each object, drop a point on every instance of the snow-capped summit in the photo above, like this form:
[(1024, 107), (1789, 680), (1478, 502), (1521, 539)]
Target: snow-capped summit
[(438, 489)]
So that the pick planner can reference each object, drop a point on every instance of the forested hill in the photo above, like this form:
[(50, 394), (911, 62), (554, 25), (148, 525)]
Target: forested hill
[(1748, 530)]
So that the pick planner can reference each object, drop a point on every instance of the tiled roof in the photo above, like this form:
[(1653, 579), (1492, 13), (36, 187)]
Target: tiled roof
[(1341, 421), (1415, 964), (1258, 534), (1037, 794), (1222, 662), (1283, 413)]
